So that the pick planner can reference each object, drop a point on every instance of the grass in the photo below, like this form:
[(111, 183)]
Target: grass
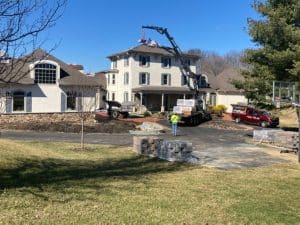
[(53, 183), (287, 117)]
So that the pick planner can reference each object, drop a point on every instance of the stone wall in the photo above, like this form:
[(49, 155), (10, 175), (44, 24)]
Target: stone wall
[(174, 150), (281, 138), (45, 117)]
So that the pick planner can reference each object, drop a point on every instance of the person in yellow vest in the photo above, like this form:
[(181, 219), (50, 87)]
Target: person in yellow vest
[(174, 121)]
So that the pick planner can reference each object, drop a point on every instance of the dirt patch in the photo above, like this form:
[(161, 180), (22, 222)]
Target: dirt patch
[(64, 122), (106, 126), (224, 125)]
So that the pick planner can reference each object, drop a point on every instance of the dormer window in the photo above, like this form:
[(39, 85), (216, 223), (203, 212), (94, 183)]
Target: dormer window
[(45, 73)]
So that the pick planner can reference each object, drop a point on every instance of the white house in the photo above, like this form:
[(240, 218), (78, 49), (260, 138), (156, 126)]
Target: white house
[(149, 76), (222, 92), (40, 83)]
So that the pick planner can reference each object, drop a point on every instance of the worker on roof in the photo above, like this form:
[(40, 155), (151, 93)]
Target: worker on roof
[(174, 121)]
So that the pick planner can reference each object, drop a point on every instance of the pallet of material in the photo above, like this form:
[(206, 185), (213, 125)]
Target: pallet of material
[(186, 102)]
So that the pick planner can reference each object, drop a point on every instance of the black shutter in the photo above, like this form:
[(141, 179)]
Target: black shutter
[(148, 60), (162, 79), (169, 78), (140, 78), (148, 78), (29, 102), (140, 60)]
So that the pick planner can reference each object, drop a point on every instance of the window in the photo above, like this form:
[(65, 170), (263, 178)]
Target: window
[(126, 60), (184, 80), (114, 63), (213, 99), (187, 62), (71, 100), (113, 96), (144, 79), (165, 79), (108, 79), (203, 82), (125, 96), (165, 62), (144, 60), (18, 101), (126, 78), (45, 73), (113, 79)]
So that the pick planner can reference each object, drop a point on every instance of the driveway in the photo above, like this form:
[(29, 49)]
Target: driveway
[(230, 149)]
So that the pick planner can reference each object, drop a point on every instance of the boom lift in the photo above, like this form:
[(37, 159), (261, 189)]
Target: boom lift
[(186, 71)]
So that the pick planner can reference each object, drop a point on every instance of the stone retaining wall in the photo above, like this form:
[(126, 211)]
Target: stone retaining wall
[(45, 117), (281, 138), (179, 151)]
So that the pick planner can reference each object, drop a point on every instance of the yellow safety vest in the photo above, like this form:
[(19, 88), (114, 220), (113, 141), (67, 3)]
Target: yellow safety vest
[(174, 119)]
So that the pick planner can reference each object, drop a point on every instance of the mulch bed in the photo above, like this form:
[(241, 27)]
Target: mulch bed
[(108, 126)]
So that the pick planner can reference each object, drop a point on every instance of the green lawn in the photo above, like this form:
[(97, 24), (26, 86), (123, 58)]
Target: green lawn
[(55, 183)]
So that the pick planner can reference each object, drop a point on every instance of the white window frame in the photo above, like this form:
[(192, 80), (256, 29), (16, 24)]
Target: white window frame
[(126, 78), (147, 78), (126, 60), (164, 64), (126, 96), (163, 76), (32, 70), (114, 63), (145, 58)]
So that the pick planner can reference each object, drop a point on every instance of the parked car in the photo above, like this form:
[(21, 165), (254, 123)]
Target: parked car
[(248, 114)]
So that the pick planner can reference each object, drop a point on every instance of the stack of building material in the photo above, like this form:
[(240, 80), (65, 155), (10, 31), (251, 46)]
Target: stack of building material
[(146, 145), (179, 151), (185, 106)]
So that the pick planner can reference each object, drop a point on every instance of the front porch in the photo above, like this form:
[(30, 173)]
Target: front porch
[(160, 99)]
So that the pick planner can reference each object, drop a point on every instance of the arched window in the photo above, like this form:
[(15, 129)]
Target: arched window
[(45, 73), (18, 101)]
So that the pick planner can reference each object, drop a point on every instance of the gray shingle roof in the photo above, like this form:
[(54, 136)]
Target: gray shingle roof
[(224, 80), (159, 50), (71, 75)]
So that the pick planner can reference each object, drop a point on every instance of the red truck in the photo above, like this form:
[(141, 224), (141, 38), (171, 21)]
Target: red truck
[(248, 114)]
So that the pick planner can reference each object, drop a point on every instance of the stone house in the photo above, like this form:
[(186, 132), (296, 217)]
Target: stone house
[(41, 83)]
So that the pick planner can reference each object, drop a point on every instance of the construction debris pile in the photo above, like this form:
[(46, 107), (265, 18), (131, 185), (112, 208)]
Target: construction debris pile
[(185, 107), (174, 150)]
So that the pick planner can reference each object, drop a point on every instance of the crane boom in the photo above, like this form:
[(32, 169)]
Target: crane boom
[(184, 68)]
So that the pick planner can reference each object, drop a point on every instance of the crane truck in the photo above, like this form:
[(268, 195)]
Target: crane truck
[(200, 114)]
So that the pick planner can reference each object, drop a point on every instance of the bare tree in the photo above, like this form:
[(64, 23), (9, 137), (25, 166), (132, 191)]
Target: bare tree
[(21, 23)]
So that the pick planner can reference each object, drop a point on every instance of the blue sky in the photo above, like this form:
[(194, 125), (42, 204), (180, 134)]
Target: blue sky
[(90, 30)]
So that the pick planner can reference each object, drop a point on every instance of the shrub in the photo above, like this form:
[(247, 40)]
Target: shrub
[(218, 109)]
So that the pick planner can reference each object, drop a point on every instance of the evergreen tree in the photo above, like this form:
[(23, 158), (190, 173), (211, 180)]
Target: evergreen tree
[(277, 57)]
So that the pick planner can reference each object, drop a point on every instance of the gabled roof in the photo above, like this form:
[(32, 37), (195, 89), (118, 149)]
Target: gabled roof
[(225, 78), (159, 50), (71, 76)]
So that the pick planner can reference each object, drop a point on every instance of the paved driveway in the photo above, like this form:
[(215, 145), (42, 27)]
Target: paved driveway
[(214, 147)]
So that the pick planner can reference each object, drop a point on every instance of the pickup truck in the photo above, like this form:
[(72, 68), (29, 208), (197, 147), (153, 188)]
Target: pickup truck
[(248, 114)]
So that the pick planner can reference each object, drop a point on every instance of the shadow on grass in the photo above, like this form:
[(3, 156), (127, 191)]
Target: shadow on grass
[(36, 173)]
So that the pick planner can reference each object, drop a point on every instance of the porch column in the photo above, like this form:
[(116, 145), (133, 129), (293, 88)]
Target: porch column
[(162, 107), (141, 101)]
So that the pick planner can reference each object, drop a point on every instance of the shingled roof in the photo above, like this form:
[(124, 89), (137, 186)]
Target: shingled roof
[(224, 80), (159, 50), (71, 76)]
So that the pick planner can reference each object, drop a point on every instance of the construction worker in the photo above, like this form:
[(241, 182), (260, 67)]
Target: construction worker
[(174, 120)]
